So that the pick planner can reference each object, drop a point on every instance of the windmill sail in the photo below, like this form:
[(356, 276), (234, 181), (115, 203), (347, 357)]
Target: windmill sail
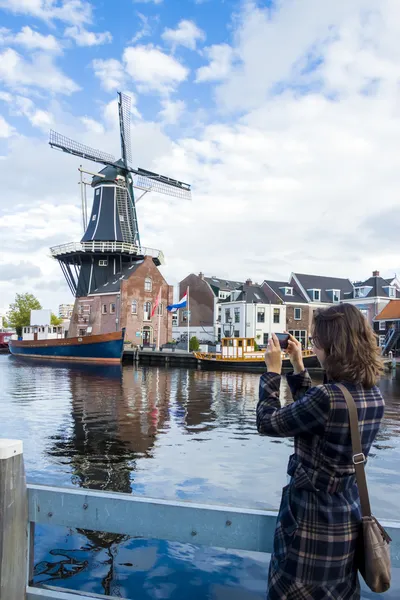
[(71, 147), (124, 106)]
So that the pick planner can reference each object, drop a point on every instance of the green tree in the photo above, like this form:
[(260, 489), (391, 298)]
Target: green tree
[(194, 344), (19, 312), (55, 320)]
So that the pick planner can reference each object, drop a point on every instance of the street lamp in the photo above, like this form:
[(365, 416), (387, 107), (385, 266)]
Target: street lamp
[(228, 327)]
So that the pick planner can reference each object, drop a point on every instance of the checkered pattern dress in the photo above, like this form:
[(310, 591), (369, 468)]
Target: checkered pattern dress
[(319, 516)]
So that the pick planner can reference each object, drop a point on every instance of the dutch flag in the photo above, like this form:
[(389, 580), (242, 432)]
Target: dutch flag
[(181, 304)]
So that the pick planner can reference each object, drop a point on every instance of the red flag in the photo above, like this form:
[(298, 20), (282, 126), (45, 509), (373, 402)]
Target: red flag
[(156, 303)]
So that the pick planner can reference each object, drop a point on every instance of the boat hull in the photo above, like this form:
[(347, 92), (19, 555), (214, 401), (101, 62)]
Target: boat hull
[(104, 348), (310, 362)]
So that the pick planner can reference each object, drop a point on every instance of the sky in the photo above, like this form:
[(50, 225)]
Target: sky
[(283, 116)]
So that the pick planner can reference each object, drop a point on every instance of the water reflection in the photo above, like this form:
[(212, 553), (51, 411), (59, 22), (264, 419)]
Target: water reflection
[(167, 433)]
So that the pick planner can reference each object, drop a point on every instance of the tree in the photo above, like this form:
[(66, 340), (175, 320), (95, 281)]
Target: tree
[(56, 320), (19, 312), (194, 344)]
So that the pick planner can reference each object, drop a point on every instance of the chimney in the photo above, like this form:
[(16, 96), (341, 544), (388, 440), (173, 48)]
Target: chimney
[(201, 275), (249, 282), (375, 274)]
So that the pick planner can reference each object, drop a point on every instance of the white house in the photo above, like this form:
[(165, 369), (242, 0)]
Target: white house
[(249, 313)]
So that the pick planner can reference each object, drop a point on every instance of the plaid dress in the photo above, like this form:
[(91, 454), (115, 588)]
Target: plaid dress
[(319, 516)]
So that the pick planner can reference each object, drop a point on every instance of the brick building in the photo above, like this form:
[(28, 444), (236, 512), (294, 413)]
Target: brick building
[(126, 300)]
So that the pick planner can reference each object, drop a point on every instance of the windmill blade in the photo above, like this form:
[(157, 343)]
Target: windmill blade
[(161, 184), (124, 109), (71, 147)]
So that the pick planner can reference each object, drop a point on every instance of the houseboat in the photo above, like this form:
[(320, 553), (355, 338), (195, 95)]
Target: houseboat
[(239, 354), (47, 341)]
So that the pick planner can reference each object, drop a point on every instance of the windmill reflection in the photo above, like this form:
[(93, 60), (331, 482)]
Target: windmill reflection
[(116, 417)]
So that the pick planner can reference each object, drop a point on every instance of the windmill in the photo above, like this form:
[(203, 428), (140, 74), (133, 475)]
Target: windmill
[(111, 240)]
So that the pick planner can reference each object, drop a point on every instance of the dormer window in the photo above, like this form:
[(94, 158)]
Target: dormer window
[(315, 295), (334, 294), (287, 291), (391, 291)]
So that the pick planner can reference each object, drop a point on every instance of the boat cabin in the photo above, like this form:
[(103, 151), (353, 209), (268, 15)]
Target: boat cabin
[(43, 332), (236, 347)]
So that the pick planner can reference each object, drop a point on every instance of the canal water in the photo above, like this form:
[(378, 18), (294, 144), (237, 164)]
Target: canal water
[(162, 433)]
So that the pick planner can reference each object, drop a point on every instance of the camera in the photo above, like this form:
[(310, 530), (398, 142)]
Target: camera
[(283, 340)]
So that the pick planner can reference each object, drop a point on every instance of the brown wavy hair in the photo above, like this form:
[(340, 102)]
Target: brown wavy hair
[(350, 345)]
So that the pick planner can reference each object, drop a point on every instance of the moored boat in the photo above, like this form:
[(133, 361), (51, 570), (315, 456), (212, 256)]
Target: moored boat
[(240, 354), (103, 348)]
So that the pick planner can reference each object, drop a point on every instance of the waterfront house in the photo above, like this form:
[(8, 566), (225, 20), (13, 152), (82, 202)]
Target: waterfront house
[(248, 312), (387, 327), (127, 300), (205, 293), (372, 295), (301, 295)]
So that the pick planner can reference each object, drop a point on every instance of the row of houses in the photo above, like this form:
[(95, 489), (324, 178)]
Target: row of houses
[(222, 308)]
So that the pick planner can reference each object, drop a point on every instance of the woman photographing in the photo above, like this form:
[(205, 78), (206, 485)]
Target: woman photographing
[(319, 518)]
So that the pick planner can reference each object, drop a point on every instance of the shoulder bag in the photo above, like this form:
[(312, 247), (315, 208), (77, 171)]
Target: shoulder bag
[(373, 552)]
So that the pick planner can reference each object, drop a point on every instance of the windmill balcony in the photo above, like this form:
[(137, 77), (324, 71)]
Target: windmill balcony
[(106, 247)]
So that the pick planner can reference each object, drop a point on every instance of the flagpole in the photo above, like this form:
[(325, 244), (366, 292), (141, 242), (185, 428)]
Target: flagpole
[(159, 322), (188, 320)]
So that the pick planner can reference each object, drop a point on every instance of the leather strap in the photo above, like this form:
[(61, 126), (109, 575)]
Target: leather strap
[(359, 459)]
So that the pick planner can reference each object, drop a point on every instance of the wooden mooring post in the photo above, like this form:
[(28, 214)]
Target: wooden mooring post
[(13, 521), (22, 506)]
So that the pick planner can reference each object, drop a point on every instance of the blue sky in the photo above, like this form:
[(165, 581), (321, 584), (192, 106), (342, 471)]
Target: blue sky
[(284, 117)]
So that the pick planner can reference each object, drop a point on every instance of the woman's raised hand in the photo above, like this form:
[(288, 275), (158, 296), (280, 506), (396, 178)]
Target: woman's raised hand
[(294, 351), (273, 355)]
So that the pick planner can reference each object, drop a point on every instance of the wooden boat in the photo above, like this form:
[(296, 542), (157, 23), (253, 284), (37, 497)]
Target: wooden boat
[(103, 348), (239, 354)]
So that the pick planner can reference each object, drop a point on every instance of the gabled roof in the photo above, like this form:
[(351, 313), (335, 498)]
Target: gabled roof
[(277, 286), (114, 282), (320, 282), (223, 285), (377, 285), (249, 294), (391, 312)]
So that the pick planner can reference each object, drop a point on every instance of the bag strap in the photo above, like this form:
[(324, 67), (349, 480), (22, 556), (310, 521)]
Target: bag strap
[(359, 459)]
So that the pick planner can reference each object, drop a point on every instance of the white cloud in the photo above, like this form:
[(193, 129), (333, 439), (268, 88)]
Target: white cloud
[(147, 1), (31, 39), (171, 111), (186, 34), (153, 70), (37, 72), (6, 130), (75, 12), (110, 72), (145, 29), (37, 117), (221, 58), (92, 125), (82, 37)]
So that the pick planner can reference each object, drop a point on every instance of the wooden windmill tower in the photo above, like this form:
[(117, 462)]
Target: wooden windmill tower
[(111, 242)]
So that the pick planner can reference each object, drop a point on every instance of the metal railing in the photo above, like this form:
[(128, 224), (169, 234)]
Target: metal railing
[(22, 507), (106, 247)]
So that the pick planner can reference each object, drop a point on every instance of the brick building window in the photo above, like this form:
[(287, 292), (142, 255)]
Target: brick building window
[(134, 307), (104, 309), (147, 311), (297, 314), (148, 284), (300, 335), (112, 308), (277, 315)]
